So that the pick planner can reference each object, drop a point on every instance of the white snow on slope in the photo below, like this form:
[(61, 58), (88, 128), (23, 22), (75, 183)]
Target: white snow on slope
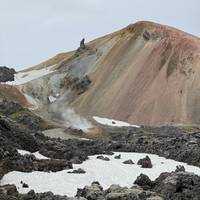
[(106, 172), (36, 154), (112, 122), (24, 77), (52, 99)]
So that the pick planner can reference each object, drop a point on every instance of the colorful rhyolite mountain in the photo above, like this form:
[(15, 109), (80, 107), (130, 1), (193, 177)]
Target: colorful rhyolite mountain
[(146, 73)]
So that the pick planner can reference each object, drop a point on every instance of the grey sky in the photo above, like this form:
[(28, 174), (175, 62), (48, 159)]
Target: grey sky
[(35, 30)]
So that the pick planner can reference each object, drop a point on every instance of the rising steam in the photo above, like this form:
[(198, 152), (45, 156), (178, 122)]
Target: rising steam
[(62, 111), (74, 120)]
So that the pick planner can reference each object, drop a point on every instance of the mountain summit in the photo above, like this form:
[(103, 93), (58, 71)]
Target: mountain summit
[(146, 73)]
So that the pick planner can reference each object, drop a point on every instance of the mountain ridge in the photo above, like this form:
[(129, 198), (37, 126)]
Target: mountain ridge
[(130, 28)]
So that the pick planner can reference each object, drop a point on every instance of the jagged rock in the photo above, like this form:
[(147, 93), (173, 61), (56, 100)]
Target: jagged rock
[(118, 156), (174, 185), (25, 185), (178, 185), (146, 35), (115, 192), (82, 48), (180, 168), (6, 74), (8, 190), (100, 157), (93, 192), (82, 43), (23, 116), (129, 162), (78, 171), (78, 84), (103, 158), (145, 162), (143, 181)]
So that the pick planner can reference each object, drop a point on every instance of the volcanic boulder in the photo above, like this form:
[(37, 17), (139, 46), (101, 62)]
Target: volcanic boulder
[(6, 74), (129, 162), (145, 162), (143, 181)]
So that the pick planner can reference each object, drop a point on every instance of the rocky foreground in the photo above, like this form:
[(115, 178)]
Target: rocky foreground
[(175, 185), (181, 144)]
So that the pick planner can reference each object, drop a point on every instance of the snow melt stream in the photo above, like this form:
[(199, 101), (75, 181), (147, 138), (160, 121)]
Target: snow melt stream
[(106, 172)]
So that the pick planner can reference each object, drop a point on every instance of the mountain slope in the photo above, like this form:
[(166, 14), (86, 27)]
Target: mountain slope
[(146, 73), (150, 81)]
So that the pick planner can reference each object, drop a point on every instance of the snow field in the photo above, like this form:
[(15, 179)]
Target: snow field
[(112, 122), (24, 77), (106, 172)]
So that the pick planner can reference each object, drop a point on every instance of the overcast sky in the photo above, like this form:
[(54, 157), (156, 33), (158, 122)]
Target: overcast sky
[(32, 31)]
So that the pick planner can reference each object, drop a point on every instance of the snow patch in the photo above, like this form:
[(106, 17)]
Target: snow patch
[(36, 154), (24, 77), (106, 172), (52, 99), (112, 122)]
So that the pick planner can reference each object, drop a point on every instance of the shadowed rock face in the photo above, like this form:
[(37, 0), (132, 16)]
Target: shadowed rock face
[(145, 162), (23, 116), (174, 185)]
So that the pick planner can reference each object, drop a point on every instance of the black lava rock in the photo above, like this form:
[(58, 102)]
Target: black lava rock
[(103, 158), (143, 181), (6, 74), (24, 185), (77, 171), (145, 162), (118, 156), (129, 162), (180, 168)]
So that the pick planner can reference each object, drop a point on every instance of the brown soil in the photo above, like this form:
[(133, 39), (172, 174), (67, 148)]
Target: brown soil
[(12, 93)]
